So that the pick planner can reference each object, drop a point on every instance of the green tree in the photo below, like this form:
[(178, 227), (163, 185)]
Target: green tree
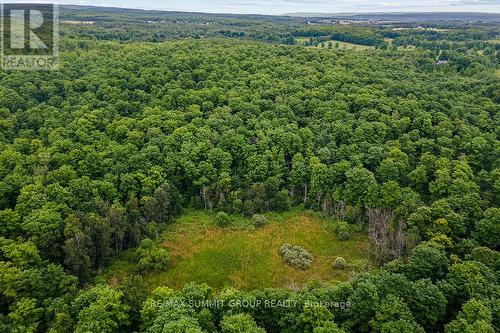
[(427, 304), (466, 280), (10, 225), (100, 309), (149, 256), (474, 317), (77, 248), (299, 175), (365, 303), (240, 323), (164, 205), (25, 316), (45, 229), (395, 167), (487, 231), (394, 316), (427, 262), (360, 186)]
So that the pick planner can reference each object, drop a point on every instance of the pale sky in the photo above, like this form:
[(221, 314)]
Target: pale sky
[(291, 6)]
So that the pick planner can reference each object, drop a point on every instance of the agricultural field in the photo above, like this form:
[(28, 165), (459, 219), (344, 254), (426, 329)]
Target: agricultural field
[(247, 258)]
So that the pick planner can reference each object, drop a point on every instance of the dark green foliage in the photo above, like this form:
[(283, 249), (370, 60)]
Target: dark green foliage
[(365, 302), (31, 288), (394, 316), (175, 320), (487, 231), (102, 155), (9, 223), (135, 292), (328, 327), (164, 204), (427, 262), (427, 304), (486, 256)]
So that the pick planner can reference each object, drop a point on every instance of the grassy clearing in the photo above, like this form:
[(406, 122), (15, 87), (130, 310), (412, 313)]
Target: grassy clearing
[(341, 45), (78, 22), (244, 257)]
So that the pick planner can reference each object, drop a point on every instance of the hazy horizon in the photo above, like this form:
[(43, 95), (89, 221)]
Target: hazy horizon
[(280, 7)]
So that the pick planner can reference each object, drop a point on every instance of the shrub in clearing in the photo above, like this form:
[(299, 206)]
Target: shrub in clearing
[(296, 256), (222, 219), (150, 257), (339, 263), (259, 220), (359, 265), (314, 283), (344, 231)]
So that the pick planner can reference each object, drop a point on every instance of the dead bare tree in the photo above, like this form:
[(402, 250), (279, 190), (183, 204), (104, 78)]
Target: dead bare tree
[(399, 239), (326, 207), (340, 211), (387, 234)]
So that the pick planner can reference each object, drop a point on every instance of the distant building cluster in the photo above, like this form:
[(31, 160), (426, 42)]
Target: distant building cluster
[(335, 21)]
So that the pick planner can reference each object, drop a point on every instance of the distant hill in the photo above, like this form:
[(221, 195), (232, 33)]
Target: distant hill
[(102, 10), (399, 17), (412, 17)]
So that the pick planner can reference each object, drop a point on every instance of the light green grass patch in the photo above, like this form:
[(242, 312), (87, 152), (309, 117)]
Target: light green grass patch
[(248, 258), (341, 45)]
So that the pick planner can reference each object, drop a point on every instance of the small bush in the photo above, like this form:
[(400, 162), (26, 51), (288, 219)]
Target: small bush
[(153, 229), (339, 263), (359, 265), (149, 257), (296, 256), (314, 283), (222, 219), (344, 231), (259, 220)]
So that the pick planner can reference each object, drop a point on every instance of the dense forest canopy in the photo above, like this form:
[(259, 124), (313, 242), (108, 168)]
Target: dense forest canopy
[(100, 156)]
